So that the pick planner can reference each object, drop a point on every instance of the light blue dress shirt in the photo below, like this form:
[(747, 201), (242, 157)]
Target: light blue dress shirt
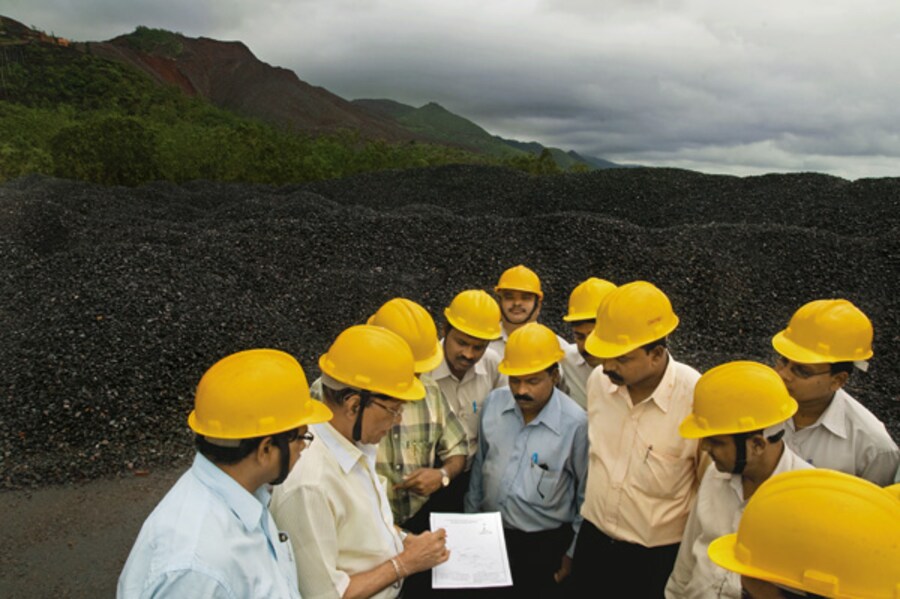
[(210, 537), (533, 474)]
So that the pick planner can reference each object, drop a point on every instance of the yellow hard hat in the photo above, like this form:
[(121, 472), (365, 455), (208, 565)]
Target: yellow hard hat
[(475, 313), (412, 322), (819, 531), (826, 331), (531, 348), (254, 393), (520, 278), (586, 297), (629, 317), (375, 359), (894, 490), (737, 397)]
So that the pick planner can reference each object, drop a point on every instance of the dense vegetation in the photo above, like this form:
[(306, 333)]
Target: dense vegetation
[(67, 113)]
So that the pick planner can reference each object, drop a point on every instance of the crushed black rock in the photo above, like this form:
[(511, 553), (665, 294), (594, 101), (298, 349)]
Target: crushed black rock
[(115, 300)]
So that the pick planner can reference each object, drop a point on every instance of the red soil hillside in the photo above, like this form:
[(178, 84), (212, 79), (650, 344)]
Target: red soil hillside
[(230, 76)]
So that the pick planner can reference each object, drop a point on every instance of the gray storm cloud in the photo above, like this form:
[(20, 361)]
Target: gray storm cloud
[(726, 87)]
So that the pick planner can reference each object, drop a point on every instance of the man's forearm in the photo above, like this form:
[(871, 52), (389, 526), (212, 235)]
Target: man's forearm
[(454, 465)]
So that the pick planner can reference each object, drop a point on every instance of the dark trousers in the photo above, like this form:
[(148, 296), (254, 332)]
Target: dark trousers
[(450, 499), (534, 557), (605, 567)]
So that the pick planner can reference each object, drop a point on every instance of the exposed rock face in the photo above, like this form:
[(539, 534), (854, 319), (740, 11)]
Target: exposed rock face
[(114, 301), (231, 77)]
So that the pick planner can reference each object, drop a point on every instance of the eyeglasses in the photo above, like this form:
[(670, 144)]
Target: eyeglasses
[(801, 371), (294, 435), (395, 412)]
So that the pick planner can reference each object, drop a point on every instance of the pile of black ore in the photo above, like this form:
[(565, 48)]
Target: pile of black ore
[(115, 300)]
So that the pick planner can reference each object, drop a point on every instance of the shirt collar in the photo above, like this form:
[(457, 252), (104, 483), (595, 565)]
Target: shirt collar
[(662, 395), (834, 416), (248, 507), (443, 370), (550, 416), (344, 451)]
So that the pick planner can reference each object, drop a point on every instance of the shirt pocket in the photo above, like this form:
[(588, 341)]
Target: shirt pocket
[(658, 474), (542, 487)]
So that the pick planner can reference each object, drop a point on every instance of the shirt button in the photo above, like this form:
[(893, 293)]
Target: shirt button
[(399, 466)]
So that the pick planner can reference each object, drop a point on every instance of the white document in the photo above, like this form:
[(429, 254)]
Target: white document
[(478, 555)]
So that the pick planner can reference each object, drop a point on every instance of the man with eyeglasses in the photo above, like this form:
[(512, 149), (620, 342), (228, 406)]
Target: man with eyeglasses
[(334, 505), (531, 464), (212, 534), (822, 344), (738, 415)]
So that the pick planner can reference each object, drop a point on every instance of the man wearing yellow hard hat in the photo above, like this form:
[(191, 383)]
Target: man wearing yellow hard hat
[(815, 533), (520, 297), (739, 413), (642, 475), (212, 534), (430, 431), (578, 364), (531, 463), (334, 504), (468, 373), (822, 344)]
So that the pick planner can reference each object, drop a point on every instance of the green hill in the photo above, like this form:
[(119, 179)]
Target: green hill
[(437, 123), (68, 113)]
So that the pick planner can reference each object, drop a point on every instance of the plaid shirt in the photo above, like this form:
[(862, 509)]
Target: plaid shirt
[(429, 429)]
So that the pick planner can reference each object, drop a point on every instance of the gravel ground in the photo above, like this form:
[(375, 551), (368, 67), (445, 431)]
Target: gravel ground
[(114, 300)]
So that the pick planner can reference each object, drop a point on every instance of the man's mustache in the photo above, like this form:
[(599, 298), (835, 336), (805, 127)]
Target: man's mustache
[(614, 377), (523, 397)]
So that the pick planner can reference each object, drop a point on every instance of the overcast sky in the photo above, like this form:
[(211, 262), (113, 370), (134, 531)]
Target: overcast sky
[(719, 86)]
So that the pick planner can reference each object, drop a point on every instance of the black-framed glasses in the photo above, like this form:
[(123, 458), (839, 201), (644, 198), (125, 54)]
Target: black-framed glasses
[(801, 371), (294, 435), (395, 412)]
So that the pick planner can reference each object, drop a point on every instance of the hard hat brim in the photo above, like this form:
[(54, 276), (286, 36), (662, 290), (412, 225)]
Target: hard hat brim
[(431, 362), (504, 368), (464, 328), (796, 353), (415, 392), (605, 350), (498, 289), (317, 412), (580, 316), (723, 553)]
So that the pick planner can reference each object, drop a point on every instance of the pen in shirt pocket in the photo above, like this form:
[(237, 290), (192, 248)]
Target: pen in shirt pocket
[(535, 461), (474, 407), (647, 455)]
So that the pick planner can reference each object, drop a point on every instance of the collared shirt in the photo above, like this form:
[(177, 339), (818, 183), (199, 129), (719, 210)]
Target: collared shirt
[(642, 475), (533, 474), (429, 429), (849, 438), (335, 508), (575, 372), (717, 512), (467, 395), (209, 537)]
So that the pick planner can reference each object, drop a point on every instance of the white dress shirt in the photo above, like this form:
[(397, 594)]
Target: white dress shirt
[(642, 475), (467, 395), (336, 510), (717, 512), (849, 438), (575, 371)]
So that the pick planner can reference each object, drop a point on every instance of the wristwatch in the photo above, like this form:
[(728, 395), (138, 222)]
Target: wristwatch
[(445, 478)]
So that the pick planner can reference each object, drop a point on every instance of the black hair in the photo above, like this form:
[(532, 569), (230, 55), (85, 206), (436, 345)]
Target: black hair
[(839, 367), (575, 323), (337, 396), (226, 455), (662, 342), (552, 368)]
